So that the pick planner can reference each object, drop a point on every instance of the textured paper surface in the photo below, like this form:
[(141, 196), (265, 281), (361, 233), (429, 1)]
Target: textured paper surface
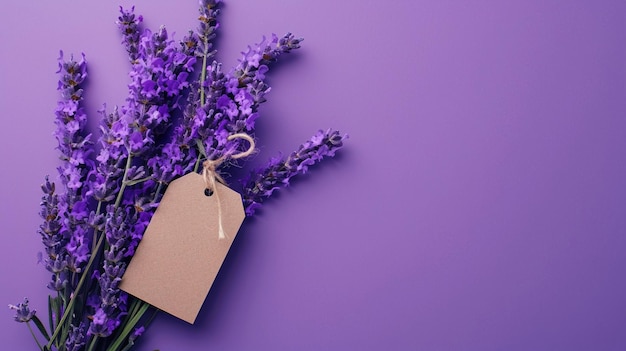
[(180, 253)]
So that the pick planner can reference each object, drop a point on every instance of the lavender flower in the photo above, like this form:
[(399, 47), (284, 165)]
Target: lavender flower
[(179, 155), (112, 304), (55, 260), (157, 79), (189, 44), (23, 313), (104, 180), (75, 148), (252, 67), (229, 102), (209, 10), (158, 76), (261, 183), (128, 24), (76, 338), (239, 93), (102, 325)]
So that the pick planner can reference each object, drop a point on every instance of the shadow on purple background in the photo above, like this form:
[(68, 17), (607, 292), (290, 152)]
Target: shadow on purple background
[(479, 203)]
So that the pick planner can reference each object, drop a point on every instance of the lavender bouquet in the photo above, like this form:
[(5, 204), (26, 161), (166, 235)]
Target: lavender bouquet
[(182, 109)]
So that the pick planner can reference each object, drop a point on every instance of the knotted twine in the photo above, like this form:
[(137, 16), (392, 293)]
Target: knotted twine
[(211, 175)]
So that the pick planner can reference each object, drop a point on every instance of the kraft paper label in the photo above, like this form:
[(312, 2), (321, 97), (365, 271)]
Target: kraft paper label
[(181, 252)]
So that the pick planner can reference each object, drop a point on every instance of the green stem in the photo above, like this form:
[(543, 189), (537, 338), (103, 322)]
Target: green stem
[(33, 334), (127, 347), (59, 312), (92, 344), (201, 154), (64, 335), (145, 325), (197, 165), (95, 232), (129, 327), (152, 317), (51, 310), (203, 73), (133, 308), (157, 192), (202, 95), (118, 200), (40, 326)]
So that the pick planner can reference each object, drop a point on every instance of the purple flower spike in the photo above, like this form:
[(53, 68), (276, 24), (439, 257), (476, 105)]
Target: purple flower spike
[(102, 325), (70, 250), (209, 10), (23, 313), (76, 338), (128, 24), (158, 78), (263, 182), (50, 229)]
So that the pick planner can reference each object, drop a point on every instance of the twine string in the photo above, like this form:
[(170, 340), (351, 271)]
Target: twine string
[(211, 175)]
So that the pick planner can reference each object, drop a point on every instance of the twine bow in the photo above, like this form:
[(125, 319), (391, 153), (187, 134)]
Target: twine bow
[(211, 175)]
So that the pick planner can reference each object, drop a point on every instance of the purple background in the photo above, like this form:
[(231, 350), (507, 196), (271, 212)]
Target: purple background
[(479, 204)]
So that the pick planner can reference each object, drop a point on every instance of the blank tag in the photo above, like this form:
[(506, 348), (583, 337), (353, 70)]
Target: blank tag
[(180, 254)]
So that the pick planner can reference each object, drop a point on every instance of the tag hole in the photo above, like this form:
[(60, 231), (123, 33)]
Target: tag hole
[(208, 192)]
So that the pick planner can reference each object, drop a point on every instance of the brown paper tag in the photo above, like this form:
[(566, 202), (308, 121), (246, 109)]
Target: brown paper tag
[(181, 253)]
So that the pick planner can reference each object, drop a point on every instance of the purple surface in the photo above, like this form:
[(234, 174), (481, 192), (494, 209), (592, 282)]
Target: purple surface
[(479, 203)]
